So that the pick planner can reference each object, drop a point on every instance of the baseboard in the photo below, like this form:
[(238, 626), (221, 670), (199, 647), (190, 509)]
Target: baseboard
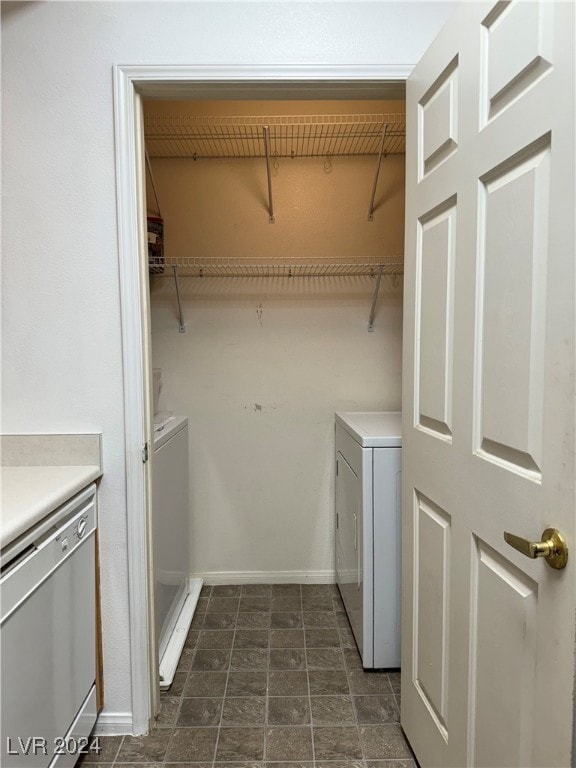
[(113, 724), (266, 577)]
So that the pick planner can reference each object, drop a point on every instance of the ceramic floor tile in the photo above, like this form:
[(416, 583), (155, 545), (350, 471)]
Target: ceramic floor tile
[(256, 590), (288, 743), (253, 620), (394, 678), (240, 744), (200, 712), (269, 677), (319, 619), (144, 749), (244, 711), (215, 638), (383, 741), (287, 620), (286, 638), (251, 638), (192, 637), (317, 603), (332, 710), (286, 590), (192, 745), (206, 591), (249, 658), (285, 603), (322, 638), (281, 682), (211, 661), (247, 682), (368, 682), (288, 710), (336, 743), (324, 658), (223, 604), (287, 658), (328, 682), (168, 712), (219, 620), (177, 684), (205, 684), (339, 764), (254, 604), (376, 710), (226, 590)]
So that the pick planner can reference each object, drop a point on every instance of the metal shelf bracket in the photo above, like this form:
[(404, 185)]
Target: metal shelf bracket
[(266, 132), (378, 162), (375, 299), (181, 326)]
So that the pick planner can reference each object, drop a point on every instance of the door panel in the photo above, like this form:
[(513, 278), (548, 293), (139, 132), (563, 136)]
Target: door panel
[(488, 634)]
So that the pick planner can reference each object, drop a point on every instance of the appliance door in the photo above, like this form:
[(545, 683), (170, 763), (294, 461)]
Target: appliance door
[(170, 533), (48, 638), (349, 543)]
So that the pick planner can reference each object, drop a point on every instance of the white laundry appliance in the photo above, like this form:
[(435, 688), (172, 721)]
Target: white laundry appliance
[(175, 593), (368, 510)]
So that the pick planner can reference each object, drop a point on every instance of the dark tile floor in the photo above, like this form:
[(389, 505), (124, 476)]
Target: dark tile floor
[(270, 677)]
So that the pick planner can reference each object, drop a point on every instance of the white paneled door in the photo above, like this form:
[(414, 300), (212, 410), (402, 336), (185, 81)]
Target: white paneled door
[(489, 418)]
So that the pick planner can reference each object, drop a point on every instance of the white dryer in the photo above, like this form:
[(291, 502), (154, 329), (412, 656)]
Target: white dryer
[(368, 510)]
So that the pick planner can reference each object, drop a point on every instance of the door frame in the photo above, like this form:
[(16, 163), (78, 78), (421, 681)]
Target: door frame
[(131, 83)]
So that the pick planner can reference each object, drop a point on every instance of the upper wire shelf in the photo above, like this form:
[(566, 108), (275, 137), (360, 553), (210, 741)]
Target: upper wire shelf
[(289, 136), (297, 267)]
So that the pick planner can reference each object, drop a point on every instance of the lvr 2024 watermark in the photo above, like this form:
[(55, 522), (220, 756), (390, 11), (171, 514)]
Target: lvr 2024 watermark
[(61, 745)]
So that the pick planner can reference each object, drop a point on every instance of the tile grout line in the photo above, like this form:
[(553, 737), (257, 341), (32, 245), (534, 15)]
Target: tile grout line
[(307, 678), (227, 678)]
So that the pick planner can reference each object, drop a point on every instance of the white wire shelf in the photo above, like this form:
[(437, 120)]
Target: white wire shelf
[(289, 136), (299, 267)]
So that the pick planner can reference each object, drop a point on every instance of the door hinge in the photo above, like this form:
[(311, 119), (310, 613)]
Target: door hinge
[(336, 467), (145, 453)]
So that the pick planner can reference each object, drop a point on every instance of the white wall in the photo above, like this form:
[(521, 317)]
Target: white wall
[(62, 358)]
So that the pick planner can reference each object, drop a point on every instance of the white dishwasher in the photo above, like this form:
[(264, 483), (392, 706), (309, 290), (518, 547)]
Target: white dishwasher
[(47, 634)]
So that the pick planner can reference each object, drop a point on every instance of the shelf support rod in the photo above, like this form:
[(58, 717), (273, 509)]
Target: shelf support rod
[(380, 151), (266, 131), (181, 326), (149, 166), (375, 299)]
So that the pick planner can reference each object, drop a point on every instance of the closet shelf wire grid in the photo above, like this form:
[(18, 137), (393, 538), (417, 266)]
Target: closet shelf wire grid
[(290, 136), (237, 267)]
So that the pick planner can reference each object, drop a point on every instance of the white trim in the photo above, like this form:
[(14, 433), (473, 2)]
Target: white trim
[(113, 724), (134, 387), (267, 577), (152, 80)]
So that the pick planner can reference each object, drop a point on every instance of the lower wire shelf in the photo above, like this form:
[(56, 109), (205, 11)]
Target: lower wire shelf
[(236, 267)]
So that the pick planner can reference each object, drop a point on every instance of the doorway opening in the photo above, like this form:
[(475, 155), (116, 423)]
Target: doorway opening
[(132, 86)]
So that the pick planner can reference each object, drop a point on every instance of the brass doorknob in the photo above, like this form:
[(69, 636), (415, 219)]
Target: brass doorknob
[(552, 547)]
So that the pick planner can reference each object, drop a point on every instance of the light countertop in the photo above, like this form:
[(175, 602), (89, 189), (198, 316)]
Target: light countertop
[(35, 480)]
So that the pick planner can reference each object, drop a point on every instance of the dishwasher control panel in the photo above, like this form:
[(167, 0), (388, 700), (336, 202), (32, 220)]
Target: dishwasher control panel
[(50, 543)]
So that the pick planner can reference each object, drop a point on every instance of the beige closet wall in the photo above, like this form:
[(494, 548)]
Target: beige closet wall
[(265, 362)]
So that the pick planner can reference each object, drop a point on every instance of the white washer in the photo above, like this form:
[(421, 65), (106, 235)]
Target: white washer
[(368, 509), (175, 593)]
